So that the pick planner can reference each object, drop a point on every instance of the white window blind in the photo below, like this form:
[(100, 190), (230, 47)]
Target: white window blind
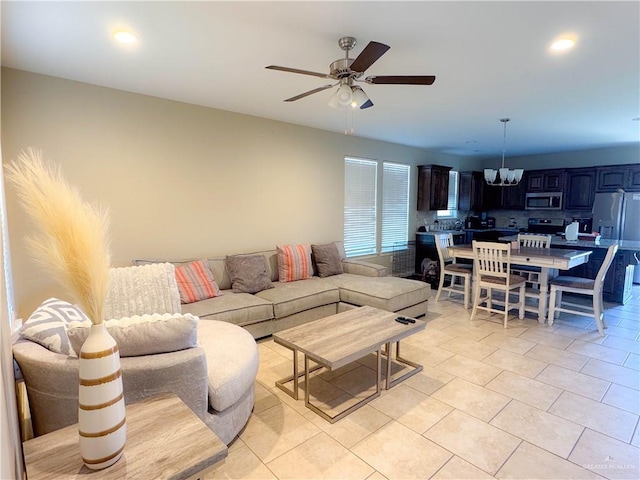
[(452, 199), (395, 205), (360, 183)]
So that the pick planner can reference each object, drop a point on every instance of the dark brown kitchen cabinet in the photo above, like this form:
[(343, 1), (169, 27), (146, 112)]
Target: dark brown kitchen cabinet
[(626, 177), (470, 190), (580, 188), (513, 197), (633, 183), (545, 180), (611, 178), (433, 187), (476, 196)]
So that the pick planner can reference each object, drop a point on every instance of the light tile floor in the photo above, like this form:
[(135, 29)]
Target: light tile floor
[(527, 402)]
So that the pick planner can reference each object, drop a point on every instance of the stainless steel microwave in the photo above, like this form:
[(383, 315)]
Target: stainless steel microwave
[(543, 201)]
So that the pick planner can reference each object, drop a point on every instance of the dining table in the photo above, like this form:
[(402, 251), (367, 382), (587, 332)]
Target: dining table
[(549, 260)]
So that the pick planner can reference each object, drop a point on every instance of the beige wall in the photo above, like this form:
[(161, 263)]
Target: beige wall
[(180, 180), (187, 181)]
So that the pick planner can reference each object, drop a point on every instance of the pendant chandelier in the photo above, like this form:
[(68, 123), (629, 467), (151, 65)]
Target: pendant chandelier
[(504, 177)]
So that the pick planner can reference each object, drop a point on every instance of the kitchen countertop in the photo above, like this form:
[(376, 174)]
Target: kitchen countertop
[(437, 232), (463, 231), (557, 240), (495, 229)]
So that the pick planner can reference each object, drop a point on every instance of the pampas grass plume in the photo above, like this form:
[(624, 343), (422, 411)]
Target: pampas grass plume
[(71, 242)]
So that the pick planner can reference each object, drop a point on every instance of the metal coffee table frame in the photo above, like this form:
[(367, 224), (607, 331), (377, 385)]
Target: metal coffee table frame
[(389, 381)]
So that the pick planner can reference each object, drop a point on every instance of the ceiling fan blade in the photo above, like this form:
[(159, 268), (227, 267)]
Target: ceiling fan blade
[(372, 52), (366, 104), (306, 94), (401, 79), (296, 70)]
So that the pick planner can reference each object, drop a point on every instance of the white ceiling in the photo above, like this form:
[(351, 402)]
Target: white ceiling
[(491, 60)]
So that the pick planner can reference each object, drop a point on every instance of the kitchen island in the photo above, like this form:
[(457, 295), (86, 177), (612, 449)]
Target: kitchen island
[(619, 279)]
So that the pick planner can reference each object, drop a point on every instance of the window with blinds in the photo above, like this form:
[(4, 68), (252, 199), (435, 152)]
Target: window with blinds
[(360, 185), (375, 222), (452, 199), (395, 205)]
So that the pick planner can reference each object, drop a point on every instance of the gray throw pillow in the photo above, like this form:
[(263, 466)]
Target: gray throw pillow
[(328, 261), (248, 273), (144, 334), (48, 325)]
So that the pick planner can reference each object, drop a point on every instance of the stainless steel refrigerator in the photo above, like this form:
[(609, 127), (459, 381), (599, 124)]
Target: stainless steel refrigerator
[(616, 216)]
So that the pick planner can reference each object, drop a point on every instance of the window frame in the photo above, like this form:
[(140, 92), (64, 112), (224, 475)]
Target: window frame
[(452, 211), (374, 246)]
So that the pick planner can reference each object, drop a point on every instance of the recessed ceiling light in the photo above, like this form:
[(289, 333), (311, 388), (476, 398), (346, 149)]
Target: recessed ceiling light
[(564, 43), (123, 36)]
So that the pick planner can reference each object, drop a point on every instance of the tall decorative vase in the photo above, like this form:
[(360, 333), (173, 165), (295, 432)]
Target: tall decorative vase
[(101, 412)]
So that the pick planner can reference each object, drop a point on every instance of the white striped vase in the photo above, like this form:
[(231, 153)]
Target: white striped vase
[(101, 413)]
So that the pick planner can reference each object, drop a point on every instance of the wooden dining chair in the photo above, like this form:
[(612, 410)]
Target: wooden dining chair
[(492, 268), (532, 274), (449, 266), (583, 286)]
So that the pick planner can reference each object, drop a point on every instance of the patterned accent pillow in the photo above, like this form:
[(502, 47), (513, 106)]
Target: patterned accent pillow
[(248, 273), (48, 324), (294, 262), (196, 282), (327, 259)]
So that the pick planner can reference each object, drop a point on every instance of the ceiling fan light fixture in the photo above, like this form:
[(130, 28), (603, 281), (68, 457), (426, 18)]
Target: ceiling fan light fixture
[(344, 95), (359, 97), (333, 101)]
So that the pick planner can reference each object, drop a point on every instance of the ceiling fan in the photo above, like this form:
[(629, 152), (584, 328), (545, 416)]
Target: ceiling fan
[(349, 70)]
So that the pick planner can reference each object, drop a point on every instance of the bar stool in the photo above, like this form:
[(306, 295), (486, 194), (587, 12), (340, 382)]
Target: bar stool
[(532, 274), (582, 286), (492, 262), (448, 266)]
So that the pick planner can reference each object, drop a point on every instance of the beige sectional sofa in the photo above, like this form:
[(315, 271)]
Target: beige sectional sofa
[(216, 376), (292, 303)]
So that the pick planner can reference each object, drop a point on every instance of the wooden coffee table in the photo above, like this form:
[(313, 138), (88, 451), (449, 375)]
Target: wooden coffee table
[(340, 339)]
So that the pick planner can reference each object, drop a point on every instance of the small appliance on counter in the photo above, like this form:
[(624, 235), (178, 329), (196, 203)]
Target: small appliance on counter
[(472, 222), (479, 222), (585, 225), (571, 232)]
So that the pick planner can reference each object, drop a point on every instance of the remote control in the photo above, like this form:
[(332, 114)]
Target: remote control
[(407, 319), (402, 320)]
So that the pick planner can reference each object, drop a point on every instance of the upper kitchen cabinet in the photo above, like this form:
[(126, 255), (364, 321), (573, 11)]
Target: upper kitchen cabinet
[(475, 195), (470, 191), (545, 180), (612, 178), (580, 188), (513, 197), (433, 187)]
